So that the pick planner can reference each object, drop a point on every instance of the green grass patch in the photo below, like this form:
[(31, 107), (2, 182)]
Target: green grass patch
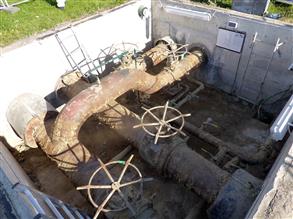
[(41, 15), (285, 10)]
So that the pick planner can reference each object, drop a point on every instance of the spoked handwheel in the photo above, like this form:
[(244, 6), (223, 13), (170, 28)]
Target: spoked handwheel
[(115, 186), (115, 53), (157, 121)]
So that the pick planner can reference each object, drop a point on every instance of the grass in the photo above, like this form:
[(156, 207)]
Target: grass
[(41, 15), (285, 10)]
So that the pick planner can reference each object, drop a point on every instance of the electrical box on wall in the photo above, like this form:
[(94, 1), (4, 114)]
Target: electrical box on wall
[(232, 24), (231, 40)]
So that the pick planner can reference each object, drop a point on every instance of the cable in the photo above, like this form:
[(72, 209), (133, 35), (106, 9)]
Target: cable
[(283, 96)]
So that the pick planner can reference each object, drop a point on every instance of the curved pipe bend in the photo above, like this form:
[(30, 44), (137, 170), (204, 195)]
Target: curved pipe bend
[(65, 144)]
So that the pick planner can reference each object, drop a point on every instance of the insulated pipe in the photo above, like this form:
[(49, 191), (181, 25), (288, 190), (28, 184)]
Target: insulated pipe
[(65, 147)]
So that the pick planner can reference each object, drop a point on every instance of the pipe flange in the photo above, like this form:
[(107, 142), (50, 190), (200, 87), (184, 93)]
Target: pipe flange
[(33, 128), (30, 133), (167, 40), (200, 51)]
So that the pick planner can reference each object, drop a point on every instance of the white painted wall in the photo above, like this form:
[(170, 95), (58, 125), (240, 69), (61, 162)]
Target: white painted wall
[(36, 66)]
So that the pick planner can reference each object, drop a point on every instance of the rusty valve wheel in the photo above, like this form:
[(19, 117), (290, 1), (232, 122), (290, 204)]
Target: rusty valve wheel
[(114, 186), (161, 128), (119, 52)]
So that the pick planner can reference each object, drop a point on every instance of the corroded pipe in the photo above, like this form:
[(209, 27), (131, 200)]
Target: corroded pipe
[(243, 153), (66, 149), (69, 153), (147, 60), (171, 157)]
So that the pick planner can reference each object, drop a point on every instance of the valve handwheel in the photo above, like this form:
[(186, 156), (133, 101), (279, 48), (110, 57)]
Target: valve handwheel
[(116, 53), (161, 127), (114, 186)]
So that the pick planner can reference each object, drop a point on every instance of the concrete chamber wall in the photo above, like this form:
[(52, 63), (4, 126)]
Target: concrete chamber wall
[(255, 73), (36, 66)]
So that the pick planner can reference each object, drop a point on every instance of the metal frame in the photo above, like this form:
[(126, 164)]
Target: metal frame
[(79, 65)]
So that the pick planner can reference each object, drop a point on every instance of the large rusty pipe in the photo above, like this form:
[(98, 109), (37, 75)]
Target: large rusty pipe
[(66, 148), (67, 151), (244, 153), (61, 150), (147, 60), (173, 157)]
